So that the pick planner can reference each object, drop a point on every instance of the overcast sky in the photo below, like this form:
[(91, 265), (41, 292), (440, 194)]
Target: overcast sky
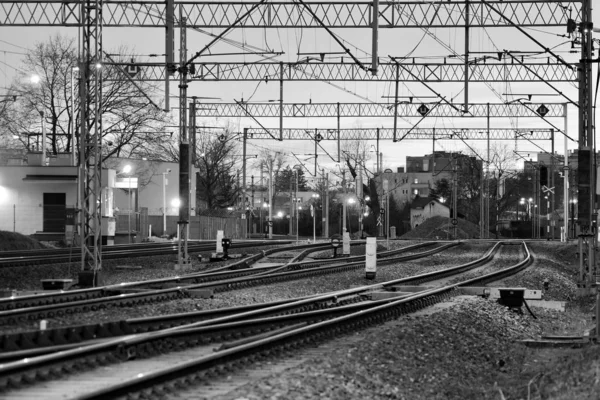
[(397, 42)]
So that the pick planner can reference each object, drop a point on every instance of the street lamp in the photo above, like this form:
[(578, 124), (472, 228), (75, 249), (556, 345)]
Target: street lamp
[(522, 202), (313, 211), (36, 79), (264, 205), (349, 201), (165, 182), (573, 205), (127, 171), (530, 214), (73, 161), (176, 203)]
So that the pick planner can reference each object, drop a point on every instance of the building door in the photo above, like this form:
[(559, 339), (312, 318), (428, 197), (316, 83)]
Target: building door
[(55, 212)]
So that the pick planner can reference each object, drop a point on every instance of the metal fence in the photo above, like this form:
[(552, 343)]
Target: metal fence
[(201, 227)]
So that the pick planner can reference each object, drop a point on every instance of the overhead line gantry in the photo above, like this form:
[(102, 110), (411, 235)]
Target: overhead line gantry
[(91, 16), (287, 14)]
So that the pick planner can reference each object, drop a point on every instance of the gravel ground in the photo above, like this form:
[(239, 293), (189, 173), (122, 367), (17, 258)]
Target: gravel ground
[(260, 294), (469, 350), (155, 267)]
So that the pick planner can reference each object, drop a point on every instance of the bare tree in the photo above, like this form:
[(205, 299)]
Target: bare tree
[(130, 119), (218, 161)]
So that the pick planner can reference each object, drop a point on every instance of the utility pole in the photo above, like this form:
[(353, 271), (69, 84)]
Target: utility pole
[(90, 154), (325, 205), (551, 196), (270, 180), (251, 229), (244, 138), (566, 179), (292, 204), (454, 196), (344, 202), (586, 215), (183, 259)]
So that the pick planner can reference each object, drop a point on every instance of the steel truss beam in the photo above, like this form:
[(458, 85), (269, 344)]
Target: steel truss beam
[(405, 133), (315, 110), (551, 71), (287, 14)]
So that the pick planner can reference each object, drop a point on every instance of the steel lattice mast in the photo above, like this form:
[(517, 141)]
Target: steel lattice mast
[(90, 97), (587, 216)]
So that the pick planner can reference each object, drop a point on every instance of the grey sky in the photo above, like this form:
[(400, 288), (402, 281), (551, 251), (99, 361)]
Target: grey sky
[(397, 42)]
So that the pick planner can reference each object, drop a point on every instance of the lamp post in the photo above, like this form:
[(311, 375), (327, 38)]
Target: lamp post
[(573, 203), (313, 211), (176, 203), (73, 160), (529, 214), (127, 171), (350, 201), (165, 182), (299, 207), (522, 202), (35, 79)]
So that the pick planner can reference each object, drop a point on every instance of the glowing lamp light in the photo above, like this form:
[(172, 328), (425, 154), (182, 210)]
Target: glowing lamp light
[(280, 214), (176, 203), (35, 79), (127, 169)]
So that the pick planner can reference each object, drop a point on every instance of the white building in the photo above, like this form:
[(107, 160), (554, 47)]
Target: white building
[(37, 198)]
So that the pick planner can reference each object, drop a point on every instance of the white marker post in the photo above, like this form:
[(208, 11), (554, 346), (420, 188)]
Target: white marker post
[(346, 245), (219, 241), (371, 258)]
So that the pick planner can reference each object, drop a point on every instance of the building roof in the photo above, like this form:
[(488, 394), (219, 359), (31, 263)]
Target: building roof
[(421, 202)]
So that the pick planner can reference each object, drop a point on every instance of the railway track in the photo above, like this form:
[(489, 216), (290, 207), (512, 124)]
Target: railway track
[(66, 336), (130, 294), (57, 297), (260, 333), (53, 256)]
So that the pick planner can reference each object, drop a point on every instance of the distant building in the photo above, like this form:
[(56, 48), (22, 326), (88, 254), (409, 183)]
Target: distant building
[(421, 175), (423, 208)]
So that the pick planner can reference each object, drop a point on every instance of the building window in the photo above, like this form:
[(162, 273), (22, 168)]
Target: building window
[(416, 180)]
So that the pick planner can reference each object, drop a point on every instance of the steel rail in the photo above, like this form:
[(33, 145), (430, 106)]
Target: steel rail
[(140, 346), (14, 302), (130, 299), (37, 257), (61, 336), (169, 379)]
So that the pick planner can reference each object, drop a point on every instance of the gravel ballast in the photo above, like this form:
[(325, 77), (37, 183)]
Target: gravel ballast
[(467, 348)]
